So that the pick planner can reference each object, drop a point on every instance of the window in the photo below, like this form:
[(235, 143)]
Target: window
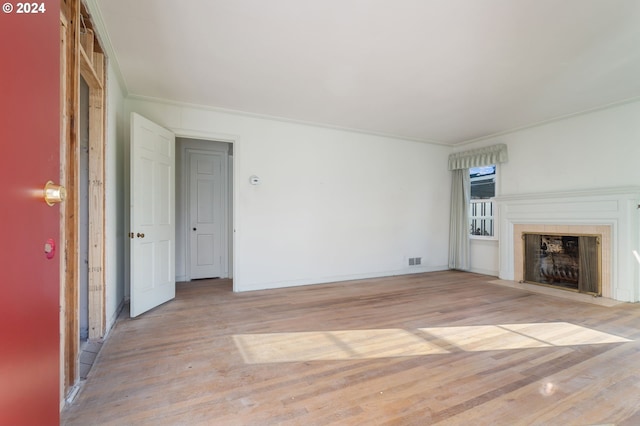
[(483, 190)]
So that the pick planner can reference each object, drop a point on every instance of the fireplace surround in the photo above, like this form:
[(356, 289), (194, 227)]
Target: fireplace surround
[(610, 214)]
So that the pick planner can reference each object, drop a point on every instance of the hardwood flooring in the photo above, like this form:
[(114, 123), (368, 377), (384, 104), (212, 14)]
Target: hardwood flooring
[(445, 348)]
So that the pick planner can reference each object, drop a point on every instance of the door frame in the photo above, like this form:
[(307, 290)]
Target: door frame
[(230, 188)]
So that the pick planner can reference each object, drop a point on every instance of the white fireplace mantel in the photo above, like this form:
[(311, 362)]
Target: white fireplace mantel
[(615, 207)]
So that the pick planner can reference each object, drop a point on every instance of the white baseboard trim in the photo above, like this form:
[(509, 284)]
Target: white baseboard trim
[(112, 320), (485, 272), (337, 278)]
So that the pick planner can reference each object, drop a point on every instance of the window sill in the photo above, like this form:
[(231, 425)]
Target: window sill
[(483, 237)]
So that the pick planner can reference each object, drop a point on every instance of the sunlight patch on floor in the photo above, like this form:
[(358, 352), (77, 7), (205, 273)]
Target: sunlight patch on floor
[(483, 338), (390, 343), (519, 336), (332, 345)]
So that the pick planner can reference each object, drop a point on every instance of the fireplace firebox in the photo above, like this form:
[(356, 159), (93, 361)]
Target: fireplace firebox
[(570, 262)]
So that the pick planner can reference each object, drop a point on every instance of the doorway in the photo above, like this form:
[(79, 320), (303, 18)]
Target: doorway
[(204, 170)]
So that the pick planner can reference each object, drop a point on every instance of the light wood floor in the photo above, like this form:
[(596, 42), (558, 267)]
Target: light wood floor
[(438, 348)]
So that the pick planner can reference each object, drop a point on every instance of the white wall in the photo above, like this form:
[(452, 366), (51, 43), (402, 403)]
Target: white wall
[(595, 150), (114, 199), (484, 256), (332, 205), (600, 149)]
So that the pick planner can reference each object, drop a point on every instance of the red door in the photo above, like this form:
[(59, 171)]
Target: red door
[(29, 157)]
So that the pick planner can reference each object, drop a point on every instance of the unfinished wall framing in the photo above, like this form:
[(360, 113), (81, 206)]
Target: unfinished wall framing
[(81, 55)]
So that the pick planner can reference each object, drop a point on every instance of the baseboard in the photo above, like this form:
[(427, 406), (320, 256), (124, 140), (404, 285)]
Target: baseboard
[(112, 320), (338, 278), (484, 272), (71, 396)]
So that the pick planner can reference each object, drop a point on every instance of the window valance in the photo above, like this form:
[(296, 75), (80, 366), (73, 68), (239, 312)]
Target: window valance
[(478, 157)]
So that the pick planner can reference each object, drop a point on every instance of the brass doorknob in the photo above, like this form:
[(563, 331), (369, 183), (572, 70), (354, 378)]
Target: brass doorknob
[(140, 235), (54, 194)]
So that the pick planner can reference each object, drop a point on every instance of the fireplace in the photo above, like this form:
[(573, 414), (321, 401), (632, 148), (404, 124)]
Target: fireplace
[(610, 213), (569, 262)]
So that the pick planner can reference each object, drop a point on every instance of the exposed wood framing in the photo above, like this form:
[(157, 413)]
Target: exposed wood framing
[(83, 56), (86, 39), (88, 71), (96, 199)]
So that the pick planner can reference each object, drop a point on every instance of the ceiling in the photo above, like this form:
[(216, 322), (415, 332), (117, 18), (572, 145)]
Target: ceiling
[(442, 71)]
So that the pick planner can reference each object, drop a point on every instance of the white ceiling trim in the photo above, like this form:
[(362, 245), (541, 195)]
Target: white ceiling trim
[(383, 135), (281, 119), (551, 120)]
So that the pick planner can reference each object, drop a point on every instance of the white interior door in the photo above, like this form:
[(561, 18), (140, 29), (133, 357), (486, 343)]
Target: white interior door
[(206, 214), (152, 215)]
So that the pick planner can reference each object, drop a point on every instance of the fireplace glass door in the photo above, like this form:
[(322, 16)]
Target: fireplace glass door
[(565, 261)]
